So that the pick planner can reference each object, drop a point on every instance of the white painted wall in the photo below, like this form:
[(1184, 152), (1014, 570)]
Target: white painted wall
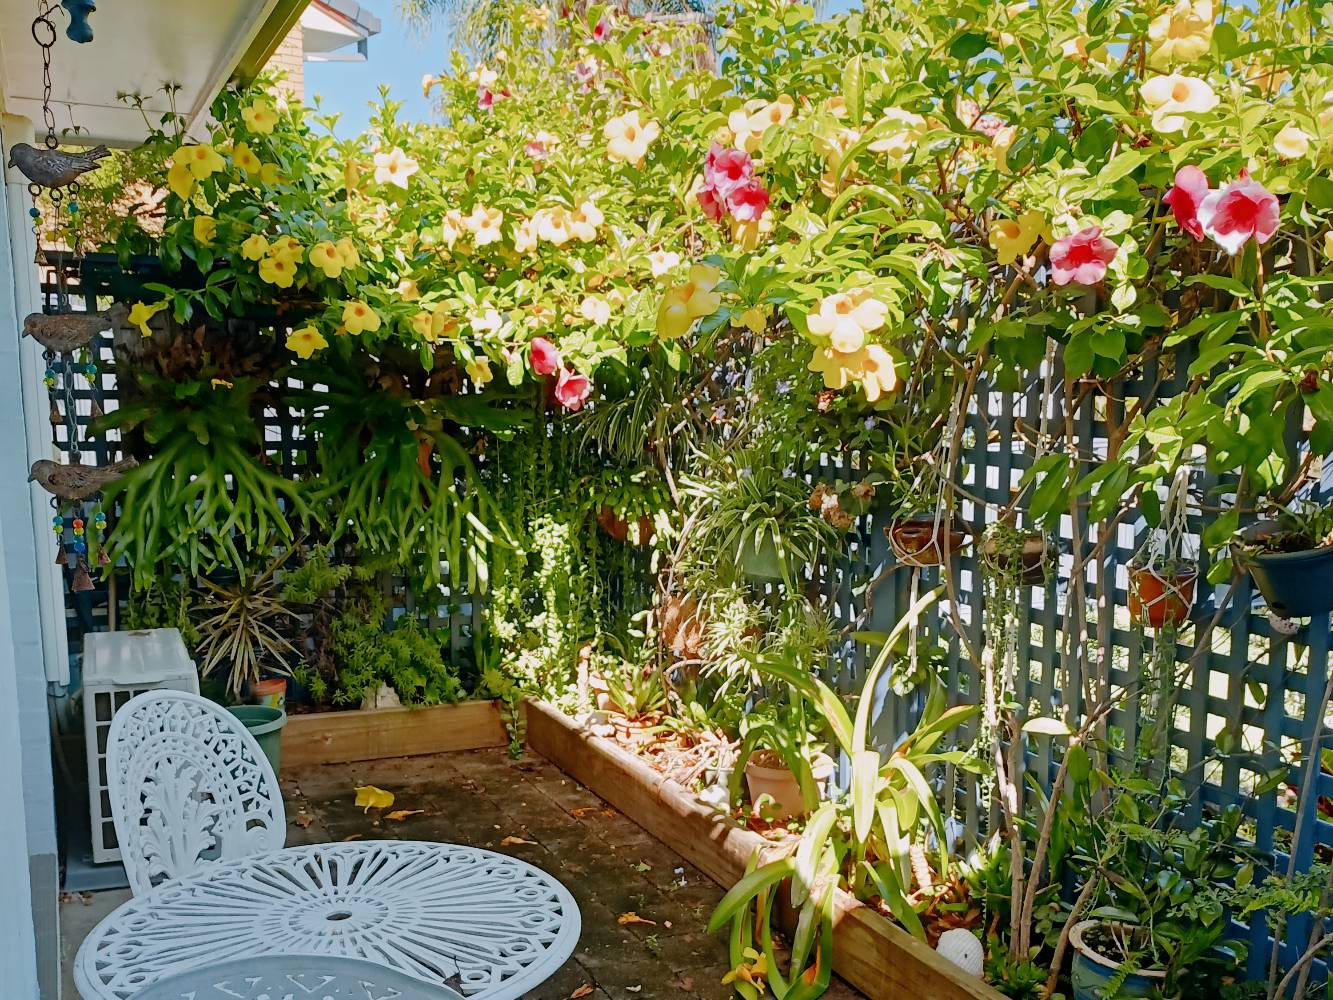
[(29, 932)]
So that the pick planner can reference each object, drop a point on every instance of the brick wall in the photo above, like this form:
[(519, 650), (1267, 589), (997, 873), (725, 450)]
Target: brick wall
[(290, 59)]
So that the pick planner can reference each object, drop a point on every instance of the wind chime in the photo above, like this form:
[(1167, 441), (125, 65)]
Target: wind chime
[(78, 520)]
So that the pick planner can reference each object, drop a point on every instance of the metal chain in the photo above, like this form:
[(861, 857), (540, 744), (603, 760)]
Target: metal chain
[(44, 34)]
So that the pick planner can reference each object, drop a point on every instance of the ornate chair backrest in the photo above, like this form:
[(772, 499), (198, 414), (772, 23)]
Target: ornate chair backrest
[(188, 786)]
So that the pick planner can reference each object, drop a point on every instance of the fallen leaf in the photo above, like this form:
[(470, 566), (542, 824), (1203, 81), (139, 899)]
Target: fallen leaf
[(633, 989), (581, 992), (633, 918), (369, 797), (642, 867), (354, 836), (609, 813), (666, 924), (304, 820), (401, 814), (581, 811), (512, 841)]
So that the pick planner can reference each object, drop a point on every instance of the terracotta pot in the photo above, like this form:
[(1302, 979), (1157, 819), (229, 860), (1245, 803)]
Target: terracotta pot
[(271, 691), (601, 693), (1033, 558), (781, 784), (1157, 601), (919, 541), (618, 528)]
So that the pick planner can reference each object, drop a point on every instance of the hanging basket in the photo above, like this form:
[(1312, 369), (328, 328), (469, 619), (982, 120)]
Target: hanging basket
[(618, 527), (1035, 557), (924, 539), (1160, 598)]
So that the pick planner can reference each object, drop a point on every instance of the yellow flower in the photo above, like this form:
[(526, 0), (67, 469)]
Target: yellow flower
[(879, 374), (1075, 48), (1181, 34), (348, 252), (202, 159), (1000, 144), (846, 317), (254, 247), (628, 139), (394, 167), (243, 156), (595, 310), (325, 256), (525, 236), (432, 324), (306, 341), (536, 16), (205, 229), (1012, 238), (837, 367), (287, 246), (1291, 143), (268, 174), (685, 303), (554, 225), (836, 106), (901, 132), (748, 234), (488, 321), (454, 226), (428, 83), (408, 290), (479, 370), (754, 319), (278, 269), (141, 313), (746, 126), (777, 112), (1328, 244), (360, 318), (260, 117), (584, 221), (484, 225), (1171, 97), (181, 180), (662, 262), (221, 383)]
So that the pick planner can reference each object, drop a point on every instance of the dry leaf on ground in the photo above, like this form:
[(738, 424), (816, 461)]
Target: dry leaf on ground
[(351, 837), (369, 797), (303, 820), (512, 841), (580, 811), (633, 918), (583, 991), (401, 814)]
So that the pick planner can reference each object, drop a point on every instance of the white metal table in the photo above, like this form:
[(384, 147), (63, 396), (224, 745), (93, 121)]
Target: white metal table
[(486, 925), (294, 977)]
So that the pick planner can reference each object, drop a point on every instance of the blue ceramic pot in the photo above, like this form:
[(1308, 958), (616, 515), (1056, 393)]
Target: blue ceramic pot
[(1092, 970), (1295, 584)]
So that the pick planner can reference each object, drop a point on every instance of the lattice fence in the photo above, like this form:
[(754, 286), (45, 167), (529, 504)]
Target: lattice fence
[(1248, 679)]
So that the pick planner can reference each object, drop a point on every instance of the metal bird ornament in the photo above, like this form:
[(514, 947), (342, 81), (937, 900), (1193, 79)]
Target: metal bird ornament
[(65, 333), (52, 168), (75, 481)]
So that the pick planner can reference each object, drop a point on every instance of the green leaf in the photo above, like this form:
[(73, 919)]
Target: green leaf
[(1047, 727), (853, 88), (865, 787), (743, 892)]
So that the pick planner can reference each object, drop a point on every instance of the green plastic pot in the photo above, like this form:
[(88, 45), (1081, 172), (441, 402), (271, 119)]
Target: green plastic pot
[(265, 724)]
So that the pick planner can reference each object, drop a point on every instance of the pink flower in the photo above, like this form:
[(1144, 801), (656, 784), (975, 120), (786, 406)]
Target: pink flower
[(485, 99), (712, 202), (536, 149), (599, 33), (727, 168), (572, 389), (748, 201), (1189, 192), (1232, 214), (1082, 258), (545, 359)]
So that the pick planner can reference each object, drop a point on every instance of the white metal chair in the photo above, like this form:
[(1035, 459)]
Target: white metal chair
[(188, 786)]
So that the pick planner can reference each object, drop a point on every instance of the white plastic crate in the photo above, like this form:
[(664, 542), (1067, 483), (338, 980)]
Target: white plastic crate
[(116, 667)]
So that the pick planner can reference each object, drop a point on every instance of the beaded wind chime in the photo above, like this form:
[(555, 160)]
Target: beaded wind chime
[(78, 519)]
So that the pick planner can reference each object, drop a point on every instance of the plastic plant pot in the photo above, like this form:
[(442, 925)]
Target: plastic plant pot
[(780, 784), (1158, 600), (265, 724), (1092, 969), (1295, 584)]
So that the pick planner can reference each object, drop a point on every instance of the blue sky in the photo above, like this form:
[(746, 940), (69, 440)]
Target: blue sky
[(399, 57)]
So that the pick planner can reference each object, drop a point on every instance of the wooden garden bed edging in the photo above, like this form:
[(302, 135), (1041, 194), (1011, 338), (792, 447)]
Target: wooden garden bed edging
[(871, 953), (372, 733)]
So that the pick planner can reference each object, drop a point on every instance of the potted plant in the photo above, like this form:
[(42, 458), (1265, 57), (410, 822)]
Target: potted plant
[(1107, 961), (759, 516), (925, 539), (1162, 595), (1290, 558), (628, 504), (1025, 555), (784, 766)]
